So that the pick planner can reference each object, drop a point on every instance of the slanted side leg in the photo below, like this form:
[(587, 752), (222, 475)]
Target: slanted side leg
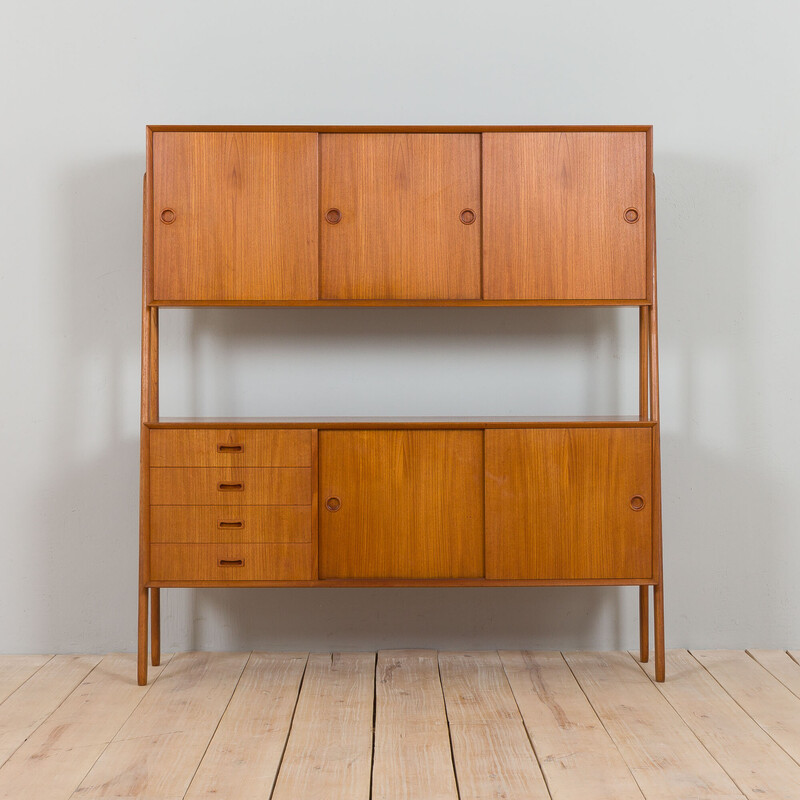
[(155, 626), (142, 655), (644, 624)]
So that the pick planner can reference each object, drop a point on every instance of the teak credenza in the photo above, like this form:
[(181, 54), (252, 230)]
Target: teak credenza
[(394, 216)]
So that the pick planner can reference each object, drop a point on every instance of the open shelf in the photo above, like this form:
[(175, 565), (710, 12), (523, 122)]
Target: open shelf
[(478, 423)]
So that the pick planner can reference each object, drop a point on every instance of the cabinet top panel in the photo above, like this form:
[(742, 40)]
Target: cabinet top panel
[(401, 128)]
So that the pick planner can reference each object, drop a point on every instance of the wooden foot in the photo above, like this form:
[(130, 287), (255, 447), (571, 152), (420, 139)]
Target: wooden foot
[(658, 620), (142, 655), (155, 627), (644, 624)]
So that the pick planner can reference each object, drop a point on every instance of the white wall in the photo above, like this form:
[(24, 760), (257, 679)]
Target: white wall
[(719, 80)]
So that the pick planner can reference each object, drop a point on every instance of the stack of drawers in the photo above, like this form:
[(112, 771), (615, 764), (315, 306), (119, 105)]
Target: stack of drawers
[(231, 505)]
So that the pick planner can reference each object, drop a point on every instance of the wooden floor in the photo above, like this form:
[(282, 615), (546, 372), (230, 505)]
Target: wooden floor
[(402, 724)]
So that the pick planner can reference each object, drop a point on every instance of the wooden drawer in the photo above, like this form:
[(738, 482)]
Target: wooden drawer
[(230, 524), (229, 448), (245, 486), (232, 562)]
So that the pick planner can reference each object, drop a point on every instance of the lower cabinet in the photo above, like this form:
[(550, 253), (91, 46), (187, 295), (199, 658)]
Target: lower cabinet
[(401, 504), (568, 503)]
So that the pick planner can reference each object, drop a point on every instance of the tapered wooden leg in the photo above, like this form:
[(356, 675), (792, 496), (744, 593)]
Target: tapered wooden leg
[(155, 626), (142, 655), (644, 624), (658, 626)]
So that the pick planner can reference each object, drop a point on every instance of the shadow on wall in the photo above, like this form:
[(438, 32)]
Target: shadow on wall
[(712, 492)]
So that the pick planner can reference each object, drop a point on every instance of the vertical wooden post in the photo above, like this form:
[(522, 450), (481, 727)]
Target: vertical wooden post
[(644, 410), (149, 412), (658, 567)]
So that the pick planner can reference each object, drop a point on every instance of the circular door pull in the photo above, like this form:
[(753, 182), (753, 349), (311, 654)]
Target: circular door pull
[(168, 216), (333, 216), (333, 504), (467, 216), (631, 215), (637, 502)]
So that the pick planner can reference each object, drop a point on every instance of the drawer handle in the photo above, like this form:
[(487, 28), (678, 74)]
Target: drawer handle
[(230, 448), (637, 502), (230, 523), (333, 216), (231, 562), (230, 487), (333, 504), (167, 216), (467, 216), (631, 215)]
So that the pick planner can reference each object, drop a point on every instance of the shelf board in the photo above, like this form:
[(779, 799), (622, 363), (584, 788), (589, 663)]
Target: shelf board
[(477, 303), (401, 422)]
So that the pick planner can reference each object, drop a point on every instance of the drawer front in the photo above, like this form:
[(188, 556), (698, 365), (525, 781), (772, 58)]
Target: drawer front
[(203, 486), (229, 524), (230, 448), (231, 562)]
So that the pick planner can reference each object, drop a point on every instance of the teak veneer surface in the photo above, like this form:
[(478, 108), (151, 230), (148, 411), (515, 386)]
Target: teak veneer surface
[(411, 504), (400, 235), (201, 486), (245, 216), (229, 524), (231, 448), (558, 503), (554, 224)]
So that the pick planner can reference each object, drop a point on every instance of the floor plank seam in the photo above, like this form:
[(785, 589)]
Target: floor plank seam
[(449, 733), (525, 728), (106, 744), (783, 683), (52, 711), (216, 727), (288, 730), (603, 724), (691, 730), (777, 743), (41, 666)]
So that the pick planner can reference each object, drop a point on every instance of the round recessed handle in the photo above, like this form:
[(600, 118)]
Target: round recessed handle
[(333, 216), (333, 504), (637, 502), (167, 216), (631, 215), (468, 216)]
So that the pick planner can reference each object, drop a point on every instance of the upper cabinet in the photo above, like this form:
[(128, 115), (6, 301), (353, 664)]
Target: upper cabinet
[(234, 216), (400, 216), (565, 216)]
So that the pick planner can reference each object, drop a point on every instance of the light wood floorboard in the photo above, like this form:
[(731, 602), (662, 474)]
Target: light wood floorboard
[(402, 725), (329, 752), (732, 737)]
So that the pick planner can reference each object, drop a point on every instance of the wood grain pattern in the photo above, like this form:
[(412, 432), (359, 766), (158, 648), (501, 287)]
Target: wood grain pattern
[(400, 236), (576, 754), (58, 754), (412, 744), (411, 504), (329, 753), (558, 503), (230, 448), (231, 562), (781, 666), (22, 712), (229, 524), (664, 756), (156, 752), (553, 208), (737, 743), (771, 704), (491, 751), (201, 486), (245, 216), (15, 670), (243, 758)]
